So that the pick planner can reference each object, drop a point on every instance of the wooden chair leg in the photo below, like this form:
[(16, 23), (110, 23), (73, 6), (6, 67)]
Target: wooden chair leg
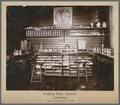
[(86, 75)]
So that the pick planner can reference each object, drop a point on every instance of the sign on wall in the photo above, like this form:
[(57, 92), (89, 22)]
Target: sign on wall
[(63, 16), (81, 44)]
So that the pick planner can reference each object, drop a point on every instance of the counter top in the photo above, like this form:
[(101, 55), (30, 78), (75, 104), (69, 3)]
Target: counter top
[(105, 57), (62, 53)]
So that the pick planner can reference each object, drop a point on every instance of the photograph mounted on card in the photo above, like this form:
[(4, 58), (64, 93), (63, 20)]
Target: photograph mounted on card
[(59, 52)]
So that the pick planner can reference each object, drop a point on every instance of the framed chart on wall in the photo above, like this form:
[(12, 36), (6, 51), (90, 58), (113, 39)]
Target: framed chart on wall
[(81, 44), (63, 16)]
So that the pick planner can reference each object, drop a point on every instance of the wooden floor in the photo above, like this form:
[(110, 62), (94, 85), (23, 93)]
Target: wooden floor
[(19, 75), (66, 83)]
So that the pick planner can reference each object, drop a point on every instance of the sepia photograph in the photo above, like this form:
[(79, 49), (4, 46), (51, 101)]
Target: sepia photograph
[(66, 48), (59, 48)]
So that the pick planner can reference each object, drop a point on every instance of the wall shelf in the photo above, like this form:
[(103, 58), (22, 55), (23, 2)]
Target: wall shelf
[(37, 32), (64, 28), (67, 36)]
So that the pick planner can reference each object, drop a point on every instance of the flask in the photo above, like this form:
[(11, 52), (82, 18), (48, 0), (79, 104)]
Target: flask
[(91, 25), (98, 24), (104, 25)]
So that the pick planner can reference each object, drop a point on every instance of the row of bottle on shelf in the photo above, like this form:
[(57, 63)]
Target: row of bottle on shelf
[(17, 52), (42, 33), (56, 50), (20, 52), (34, 33), (97, 24), (103, 51)]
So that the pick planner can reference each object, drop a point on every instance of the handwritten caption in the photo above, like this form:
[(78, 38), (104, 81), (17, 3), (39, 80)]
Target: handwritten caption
[(59, 96)]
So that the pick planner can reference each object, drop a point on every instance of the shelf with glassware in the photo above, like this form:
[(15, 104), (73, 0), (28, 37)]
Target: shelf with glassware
[(66, 65), (52, 65), (46, 65), (73, 31), (81, 66)]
